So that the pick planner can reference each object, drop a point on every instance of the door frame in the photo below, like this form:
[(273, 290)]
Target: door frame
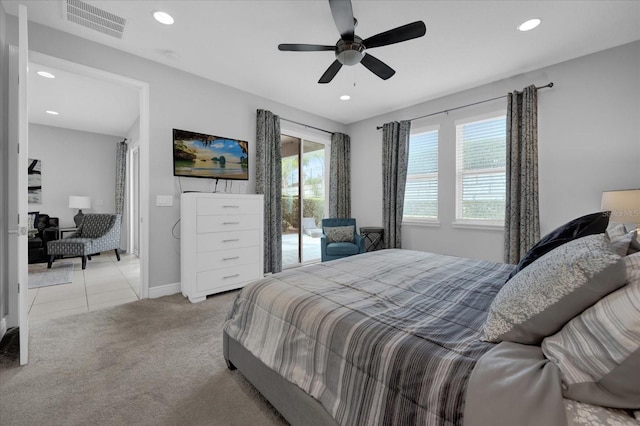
[(133, 184), (143, 90), (305, 133)]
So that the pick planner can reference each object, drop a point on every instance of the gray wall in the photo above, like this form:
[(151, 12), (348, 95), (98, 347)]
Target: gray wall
[(589, 141), (89, 164), (180, 100), (4, 166)]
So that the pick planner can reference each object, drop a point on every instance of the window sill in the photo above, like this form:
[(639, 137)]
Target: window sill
[(478, 225), (430, 223)]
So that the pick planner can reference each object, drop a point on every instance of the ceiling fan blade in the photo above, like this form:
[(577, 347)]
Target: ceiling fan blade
[(304, 47), (396, 35), (343, 17), (377, 67), (330, 72)]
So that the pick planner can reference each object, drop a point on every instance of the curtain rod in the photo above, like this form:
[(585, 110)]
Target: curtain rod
[(306, 125), (468, 105)]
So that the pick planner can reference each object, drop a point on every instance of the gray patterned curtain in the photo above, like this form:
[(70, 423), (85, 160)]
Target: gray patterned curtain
[(340, 176), (395, 150), (269, 183), (121, 175), (522, 219)]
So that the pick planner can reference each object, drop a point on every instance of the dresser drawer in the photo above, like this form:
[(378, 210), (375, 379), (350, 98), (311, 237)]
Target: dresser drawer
[(222, 223), (209, 206), (226, 277), (212, 241), (211, 260)]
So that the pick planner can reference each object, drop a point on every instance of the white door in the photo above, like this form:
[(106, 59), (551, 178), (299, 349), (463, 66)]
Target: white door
[(23, 152)]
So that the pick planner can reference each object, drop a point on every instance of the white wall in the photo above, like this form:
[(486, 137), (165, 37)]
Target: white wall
[(73, 163), (177, 100), (589, 141)]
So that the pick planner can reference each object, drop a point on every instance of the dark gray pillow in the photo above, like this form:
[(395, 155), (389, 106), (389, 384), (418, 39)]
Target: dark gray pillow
[(542, 298), (594, 223)]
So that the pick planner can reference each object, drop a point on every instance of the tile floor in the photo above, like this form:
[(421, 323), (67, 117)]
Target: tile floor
[(104, 283)]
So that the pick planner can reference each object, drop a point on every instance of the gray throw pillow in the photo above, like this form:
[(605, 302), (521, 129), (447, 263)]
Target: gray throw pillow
[(598, 352), (616, 231), (542, 298), (626, 243), (338, 234)]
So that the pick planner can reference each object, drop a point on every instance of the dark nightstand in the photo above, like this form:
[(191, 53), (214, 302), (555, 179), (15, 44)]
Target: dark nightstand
[(373, 238)]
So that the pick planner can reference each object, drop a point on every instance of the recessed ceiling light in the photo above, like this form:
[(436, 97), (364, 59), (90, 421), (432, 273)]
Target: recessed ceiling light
[(529, 25), (52, 112), (45, 74), (345, 97), (163, 17)]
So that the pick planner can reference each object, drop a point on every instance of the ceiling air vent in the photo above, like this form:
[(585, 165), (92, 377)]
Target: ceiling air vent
[(95, 18)]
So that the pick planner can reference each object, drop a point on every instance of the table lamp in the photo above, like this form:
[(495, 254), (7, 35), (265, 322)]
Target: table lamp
[(624, 206), (79, 202)]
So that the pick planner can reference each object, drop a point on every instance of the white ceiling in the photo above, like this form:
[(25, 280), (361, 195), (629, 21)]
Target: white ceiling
[(83, 103), (468, 43)]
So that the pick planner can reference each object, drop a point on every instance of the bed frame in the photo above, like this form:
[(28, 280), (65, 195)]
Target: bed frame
[(295, 405)]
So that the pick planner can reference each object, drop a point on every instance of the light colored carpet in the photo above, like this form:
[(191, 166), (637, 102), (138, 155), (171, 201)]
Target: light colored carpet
[(150, 362), (60, 273)]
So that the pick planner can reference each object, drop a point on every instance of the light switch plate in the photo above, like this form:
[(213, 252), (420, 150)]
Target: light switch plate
[(164, 200)]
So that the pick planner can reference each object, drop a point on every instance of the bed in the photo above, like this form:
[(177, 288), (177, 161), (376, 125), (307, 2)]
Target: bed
[(399, 337)]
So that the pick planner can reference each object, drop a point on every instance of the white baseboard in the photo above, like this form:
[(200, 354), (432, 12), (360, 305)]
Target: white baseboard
[(164, 290), (3, 327)]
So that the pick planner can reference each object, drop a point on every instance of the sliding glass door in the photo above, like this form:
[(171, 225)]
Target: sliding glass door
[(303, 199)]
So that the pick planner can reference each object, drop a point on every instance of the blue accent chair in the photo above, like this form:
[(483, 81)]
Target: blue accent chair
[(337, 250)]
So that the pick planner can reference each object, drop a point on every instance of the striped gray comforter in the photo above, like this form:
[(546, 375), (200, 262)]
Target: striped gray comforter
[(382, 338)]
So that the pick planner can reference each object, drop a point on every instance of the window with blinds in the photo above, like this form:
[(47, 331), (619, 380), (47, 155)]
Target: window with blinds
[(421, 191), (480, 171)]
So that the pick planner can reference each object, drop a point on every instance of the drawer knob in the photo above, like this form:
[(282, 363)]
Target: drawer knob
[(230, 207), (231, 223), (231, 258), (231, 241)]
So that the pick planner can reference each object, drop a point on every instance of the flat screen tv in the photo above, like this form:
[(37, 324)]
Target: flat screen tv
[(207, 156)]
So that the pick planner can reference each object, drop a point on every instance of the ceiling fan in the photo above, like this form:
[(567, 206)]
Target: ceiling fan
[(351, 49)]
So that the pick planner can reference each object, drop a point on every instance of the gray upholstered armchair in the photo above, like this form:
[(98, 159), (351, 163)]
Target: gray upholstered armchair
[(340, 239), (98, 232)]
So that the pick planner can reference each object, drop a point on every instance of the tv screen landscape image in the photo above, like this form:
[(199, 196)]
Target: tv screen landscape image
[(208, 156)]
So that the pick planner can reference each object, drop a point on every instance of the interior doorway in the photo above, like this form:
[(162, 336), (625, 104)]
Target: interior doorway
[(133, 268)]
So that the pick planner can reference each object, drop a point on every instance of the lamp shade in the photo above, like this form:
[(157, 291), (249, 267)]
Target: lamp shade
[(624, 205), (79, 202)]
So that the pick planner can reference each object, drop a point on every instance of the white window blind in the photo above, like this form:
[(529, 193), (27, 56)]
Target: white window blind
[(421, 191), (480, 171)]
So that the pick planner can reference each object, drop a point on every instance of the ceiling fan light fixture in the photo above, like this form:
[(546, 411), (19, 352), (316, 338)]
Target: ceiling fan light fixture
[(163, 17), (529, 25), (45, 74), (350, 52)]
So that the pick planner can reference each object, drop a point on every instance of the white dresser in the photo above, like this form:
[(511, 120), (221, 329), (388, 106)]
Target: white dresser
[(220, 242)]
